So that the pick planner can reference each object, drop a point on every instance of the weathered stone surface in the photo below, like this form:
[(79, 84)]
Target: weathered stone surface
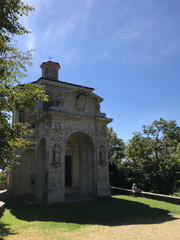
[(70, 154)]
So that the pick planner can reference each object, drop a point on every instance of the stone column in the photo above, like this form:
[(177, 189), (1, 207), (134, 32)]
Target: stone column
[(90, 168), (62, 171), (81, 169), (95, 172), (56, 192)]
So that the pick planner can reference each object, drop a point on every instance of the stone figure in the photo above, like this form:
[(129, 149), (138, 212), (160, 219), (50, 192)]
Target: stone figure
[(98, 106), (102, 156), (57, 127), (58, 104), (81, 102), (56, 153)]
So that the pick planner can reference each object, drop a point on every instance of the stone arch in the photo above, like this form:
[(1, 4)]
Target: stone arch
[(28, 148), (79, 164), (80, 131), (40, 166)]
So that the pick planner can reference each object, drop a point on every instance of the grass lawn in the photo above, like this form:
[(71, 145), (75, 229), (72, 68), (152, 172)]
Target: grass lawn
[(118, 217)]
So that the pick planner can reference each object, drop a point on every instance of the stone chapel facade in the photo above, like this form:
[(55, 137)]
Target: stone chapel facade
[(70, 156)]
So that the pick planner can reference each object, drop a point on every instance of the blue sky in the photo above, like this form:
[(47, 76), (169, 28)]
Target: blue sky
[(128, 50)]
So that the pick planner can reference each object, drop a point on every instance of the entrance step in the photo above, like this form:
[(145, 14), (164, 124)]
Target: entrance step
[(75, 197)]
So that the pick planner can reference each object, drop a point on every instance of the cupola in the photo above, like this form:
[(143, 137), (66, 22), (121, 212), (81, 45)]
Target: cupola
[(50, 70)]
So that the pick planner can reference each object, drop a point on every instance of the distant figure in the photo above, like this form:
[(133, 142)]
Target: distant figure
[(134, 189)]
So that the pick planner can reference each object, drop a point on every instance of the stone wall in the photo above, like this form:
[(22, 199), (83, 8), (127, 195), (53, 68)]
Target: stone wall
[(160, 197), (2, 208)]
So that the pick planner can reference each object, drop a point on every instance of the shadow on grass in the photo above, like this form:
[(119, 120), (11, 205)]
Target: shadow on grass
[(5, 230), (109, 211)]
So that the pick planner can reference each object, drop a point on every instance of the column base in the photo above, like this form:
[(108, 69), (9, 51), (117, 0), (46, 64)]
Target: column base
[(103, 190), (56, 196)]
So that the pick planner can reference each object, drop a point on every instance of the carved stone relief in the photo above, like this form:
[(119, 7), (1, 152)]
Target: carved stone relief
[(43, 135), (57, 139), (56, 153), (98, 106), (46, 124), (102, 130), (55, 179), (102, 156), (102, 141), (61, 100), (56, 126), (80, 103), (66, 125), (56, 156)]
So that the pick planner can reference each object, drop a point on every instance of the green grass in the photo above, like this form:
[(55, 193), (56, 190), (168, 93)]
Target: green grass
[(115, 211)]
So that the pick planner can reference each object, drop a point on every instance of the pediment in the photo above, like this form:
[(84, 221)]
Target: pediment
[(57, 138), (67, 88), (83, 90)]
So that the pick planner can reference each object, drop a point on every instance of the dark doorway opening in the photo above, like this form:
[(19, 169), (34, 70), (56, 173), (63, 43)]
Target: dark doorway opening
[(68, 167)]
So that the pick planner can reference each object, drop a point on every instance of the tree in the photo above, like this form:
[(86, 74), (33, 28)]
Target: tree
[(116, 148), (152, 155), (13, 64)]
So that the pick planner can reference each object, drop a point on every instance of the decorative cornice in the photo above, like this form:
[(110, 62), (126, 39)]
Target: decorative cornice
[(55, 165), (57, 138), (55, 86)]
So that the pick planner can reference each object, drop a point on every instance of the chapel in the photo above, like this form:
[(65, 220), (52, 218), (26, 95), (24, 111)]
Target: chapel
[(68, 158)]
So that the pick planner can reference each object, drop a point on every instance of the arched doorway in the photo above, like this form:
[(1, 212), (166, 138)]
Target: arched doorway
[(41, 152), (79, 166)]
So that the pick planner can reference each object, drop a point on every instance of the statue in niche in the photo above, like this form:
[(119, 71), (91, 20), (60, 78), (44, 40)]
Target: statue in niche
[(57, 127), (56, 154), (102, 156), (81, 102)]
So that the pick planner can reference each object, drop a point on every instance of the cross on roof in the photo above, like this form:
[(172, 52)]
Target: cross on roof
[(50, 57)]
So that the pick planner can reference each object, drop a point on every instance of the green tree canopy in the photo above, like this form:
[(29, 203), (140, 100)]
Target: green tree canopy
[(153, 155), (13, 64), (116, 151), (116, 146)]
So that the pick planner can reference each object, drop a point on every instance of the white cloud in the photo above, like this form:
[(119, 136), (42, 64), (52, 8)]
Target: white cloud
[(31, 42)]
